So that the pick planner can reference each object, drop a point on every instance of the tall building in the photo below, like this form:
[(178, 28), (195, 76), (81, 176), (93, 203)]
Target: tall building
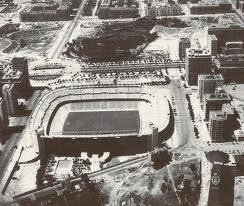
[(184, 43), (208, 83), (241, 6), (3, 115), (237, 4), (153, 141), (213, 44), (10, 97), (216, 126), (213, 102), (198, 61), (21, 64)]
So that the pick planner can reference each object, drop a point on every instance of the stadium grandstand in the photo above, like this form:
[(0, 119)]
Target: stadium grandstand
[(119, 120)]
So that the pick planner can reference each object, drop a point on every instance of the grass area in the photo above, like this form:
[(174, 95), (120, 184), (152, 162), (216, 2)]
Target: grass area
[(102, 122)]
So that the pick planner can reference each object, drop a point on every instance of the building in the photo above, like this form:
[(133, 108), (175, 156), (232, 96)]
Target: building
[(184, 43), (186, 1), (3, 115), (153, 140), (222, 123), (208, 83), (216, 125), (7, 28), (231, 124), (117, 9), (239, 135), (221, 190), (47, 12), (10, 97), (213, 44), (230, 62), (198, 61), (203, 8), (227, 34), (16, 73), (241, 6), (106, 12), (213, 102), (237, 4), (163, 10), (21, 64), (238, 191)]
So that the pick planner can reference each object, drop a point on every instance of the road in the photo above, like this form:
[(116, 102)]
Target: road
[(8, 152), (184, 127), (67, 35)]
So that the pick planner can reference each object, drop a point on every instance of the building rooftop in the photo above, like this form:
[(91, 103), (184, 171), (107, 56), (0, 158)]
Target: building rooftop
[(226, 27), (185, 40), (8, 86), (212, 36), (217, 115), (191, 52), (238, 191), (227, 108), (220, 94), (11, 74), (239, 133), (210, 77)]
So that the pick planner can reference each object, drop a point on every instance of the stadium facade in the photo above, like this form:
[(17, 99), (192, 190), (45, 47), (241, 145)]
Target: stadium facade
[(119, 120)]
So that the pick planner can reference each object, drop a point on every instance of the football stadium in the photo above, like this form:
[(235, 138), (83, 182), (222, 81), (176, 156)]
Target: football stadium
[(119, 120)]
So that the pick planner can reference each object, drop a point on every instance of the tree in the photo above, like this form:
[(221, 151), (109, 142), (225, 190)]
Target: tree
[(161, 159), (217, 156)]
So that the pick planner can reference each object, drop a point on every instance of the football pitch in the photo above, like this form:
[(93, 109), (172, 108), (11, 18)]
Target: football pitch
[(101, 122)]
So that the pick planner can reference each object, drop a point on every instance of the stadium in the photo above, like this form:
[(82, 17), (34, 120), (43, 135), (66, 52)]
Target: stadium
[(119, 120)]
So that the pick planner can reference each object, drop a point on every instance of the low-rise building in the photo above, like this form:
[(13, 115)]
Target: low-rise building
[(186, 1), (203, 8), (46, 12), (106, 12), (230, 62), (117, 9), (163, 10), (227, 33)]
